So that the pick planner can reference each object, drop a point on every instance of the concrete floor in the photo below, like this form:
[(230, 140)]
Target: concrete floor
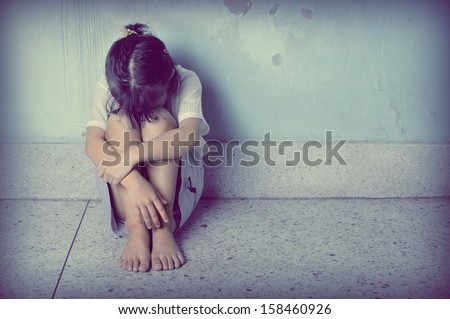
[(315, 248)]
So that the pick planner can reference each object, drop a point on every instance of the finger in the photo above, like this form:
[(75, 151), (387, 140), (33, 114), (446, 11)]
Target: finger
[(163, 200), (138, 216), (100, 170), (101, 162), (115, 181), (162, 211), (146, 217), (105, 177), (154, 215)]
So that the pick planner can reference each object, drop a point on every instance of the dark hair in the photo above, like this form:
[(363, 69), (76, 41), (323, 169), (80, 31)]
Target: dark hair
[(139, 72)]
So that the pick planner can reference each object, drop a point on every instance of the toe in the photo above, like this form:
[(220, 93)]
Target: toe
[(129, 265), (181, 258), (164, 262), (136, 264), (123, 263), (176, 262), (143, 267), (170, 263), (156, 264)]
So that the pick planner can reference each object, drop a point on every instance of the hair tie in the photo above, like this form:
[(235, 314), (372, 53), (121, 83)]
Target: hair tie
[(127, 32), (165, 51)]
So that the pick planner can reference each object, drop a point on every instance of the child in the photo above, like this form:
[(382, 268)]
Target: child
[(146, 120)]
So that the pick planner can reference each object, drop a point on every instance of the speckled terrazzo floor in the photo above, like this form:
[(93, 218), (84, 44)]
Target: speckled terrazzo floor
[(315, 248)]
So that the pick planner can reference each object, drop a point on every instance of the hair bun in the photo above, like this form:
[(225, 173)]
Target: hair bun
[(137, 28)]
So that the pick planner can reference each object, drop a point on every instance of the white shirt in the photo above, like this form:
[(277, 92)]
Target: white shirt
[(188, 102)]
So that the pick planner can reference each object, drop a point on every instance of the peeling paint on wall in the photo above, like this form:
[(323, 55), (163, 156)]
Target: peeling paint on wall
[(378, 86), (398, 121), (274, 9), (307, 13), (374, 71), (238, 6)]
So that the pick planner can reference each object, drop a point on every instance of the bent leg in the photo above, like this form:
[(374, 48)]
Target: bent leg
[(136, 255), (163, 176)]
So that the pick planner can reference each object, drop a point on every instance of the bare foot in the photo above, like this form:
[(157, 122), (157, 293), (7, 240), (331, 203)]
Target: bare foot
[(166, 254), (136, 255)]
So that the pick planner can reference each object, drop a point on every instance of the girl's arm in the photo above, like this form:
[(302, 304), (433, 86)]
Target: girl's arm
[(95, 146), (145, 200), (169, 145)]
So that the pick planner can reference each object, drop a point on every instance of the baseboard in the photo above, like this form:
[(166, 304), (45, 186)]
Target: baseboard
[(62, 171)]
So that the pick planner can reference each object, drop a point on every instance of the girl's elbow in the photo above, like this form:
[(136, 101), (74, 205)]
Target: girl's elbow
[(87, 149)]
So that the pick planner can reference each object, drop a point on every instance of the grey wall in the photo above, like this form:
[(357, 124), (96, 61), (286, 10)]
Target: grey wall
[(368, 70)]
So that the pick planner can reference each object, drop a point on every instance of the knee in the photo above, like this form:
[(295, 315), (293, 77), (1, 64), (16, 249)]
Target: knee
[(119, 119), (119, 129), (115, 123), (163, 123)]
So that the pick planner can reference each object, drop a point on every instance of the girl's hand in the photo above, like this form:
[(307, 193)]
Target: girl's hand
[(114, 168), (147, 202)]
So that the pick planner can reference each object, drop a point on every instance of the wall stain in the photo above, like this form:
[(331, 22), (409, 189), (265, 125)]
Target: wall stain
[(238, 6), (277, 59), (307, 13), (274, 9)]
